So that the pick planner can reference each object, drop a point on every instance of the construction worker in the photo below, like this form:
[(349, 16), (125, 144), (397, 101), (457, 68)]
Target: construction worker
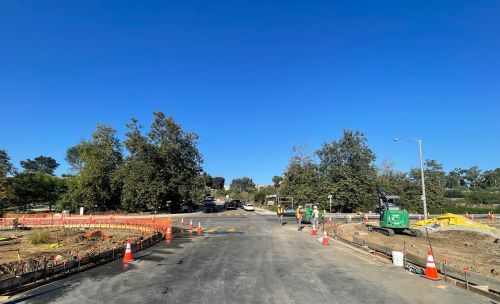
[(314, 217), (298, 216), (280, 212)]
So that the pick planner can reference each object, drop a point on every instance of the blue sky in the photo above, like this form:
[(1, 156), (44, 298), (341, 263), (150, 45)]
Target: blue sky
[(254, 78)]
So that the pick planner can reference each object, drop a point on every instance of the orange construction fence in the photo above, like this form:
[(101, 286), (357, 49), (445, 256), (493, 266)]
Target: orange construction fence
[(144, 223)]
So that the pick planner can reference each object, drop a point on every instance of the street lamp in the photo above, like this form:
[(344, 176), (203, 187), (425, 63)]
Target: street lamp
[(421, 170), (330, 197)]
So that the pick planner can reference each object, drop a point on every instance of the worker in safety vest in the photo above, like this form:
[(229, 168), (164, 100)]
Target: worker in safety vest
[(298, 216), (314, 217), (280, 212)]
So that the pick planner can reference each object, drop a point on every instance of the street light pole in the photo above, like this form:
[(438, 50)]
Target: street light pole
[(424, 200), (423, 179)]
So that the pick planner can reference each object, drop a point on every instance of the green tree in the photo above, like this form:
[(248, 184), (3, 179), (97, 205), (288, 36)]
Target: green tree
[(259, 196), (37, 189), (348, 171), (218, 183), (277, 181), (73, 158), (6, 168), (100, 158), (244, 184), (453, 179), (302, 180), (472, 176), (490, 179), (44, 164), (163, 170), (434, 186)]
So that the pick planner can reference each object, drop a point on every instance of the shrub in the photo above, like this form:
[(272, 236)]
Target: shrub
[(39, 237)]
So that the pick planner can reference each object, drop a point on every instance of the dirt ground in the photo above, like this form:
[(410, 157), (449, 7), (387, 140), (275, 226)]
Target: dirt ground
[(478, 252), (63, 242)]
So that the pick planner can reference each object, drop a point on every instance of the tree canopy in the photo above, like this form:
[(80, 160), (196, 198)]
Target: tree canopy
[(43, 164)]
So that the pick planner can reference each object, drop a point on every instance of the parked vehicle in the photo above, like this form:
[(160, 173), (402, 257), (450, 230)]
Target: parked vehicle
[(248, 207), (210, 207), (230, 205), (237, 203)]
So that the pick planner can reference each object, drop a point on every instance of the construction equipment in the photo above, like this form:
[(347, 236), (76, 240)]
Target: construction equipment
[(392, 217)]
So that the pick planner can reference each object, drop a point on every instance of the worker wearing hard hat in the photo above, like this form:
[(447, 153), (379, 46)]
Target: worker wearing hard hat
[(280, 211), (298, 216), (314, 217)]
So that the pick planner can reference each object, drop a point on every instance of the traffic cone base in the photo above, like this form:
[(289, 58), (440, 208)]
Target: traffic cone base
[(430, 269), (127, 257)]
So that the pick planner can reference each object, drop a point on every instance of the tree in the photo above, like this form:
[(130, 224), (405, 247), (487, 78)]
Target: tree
[(348, 172), (73, 158), (244, 184), (490, 179), (301, 179), (472, 176), (208, 180), (277, 181), (453, 179), (44, 164), (100, 158), (6, 168), (218, 183), (163, 170), (434, 186), (38, 188), (260, 195)]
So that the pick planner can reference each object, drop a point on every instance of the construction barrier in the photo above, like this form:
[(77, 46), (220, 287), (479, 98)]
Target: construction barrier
[(146, 224)]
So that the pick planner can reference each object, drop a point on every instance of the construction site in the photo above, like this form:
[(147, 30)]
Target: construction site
[(473, 247), (35, 242)]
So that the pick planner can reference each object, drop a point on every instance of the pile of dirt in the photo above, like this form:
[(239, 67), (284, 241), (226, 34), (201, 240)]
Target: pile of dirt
[(62, 244), (478, 252)]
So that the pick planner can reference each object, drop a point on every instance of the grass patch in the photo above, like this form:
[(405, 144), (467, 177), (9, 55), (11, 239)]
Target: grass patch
[(39, 237)]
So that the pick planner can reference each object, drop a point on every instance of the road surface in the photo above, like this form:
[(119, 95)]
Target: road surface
[(247, 258)]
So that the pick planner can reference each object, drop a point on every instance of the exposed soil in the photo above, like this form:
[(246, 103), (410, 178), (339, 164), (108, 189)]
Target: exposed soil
[(478, 252), (63, 244)]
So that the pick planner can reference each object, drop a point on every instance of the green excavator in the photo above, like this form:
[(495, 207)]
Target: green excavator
[(393, 219)]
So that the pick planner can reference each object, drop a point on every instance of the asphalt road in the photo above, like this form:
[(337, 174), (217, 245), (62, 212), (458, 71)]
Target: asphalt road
[(247, 258)]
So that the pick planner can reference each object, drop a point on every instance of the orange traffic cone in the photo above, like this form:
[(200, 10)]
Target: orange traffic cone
[(199, 228), (430, 269), (168, 236), (313, 232), (366, 218), (325, 238), (190, 224), (127, 257), (182, 221), (330, 221)]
